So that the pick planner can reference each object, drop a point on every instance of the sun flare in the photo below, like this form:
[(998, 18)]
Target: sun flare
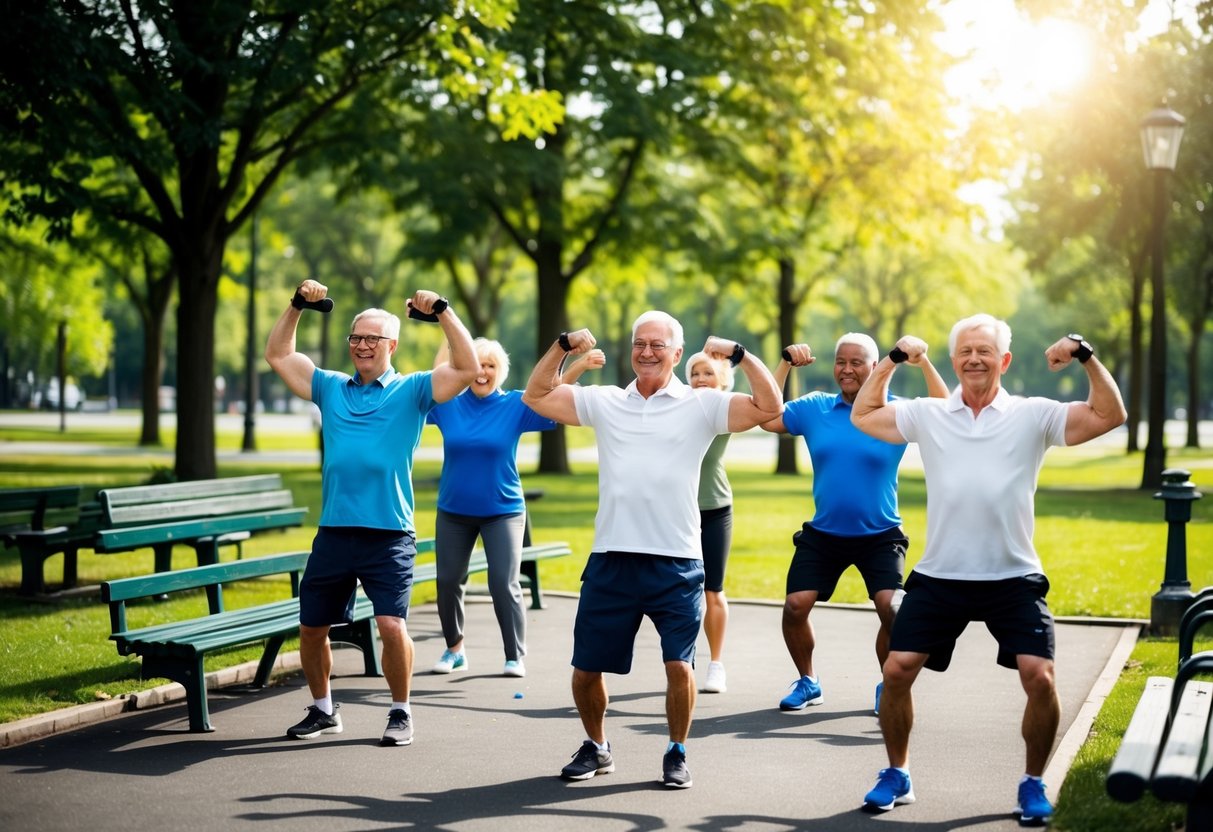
[(1010, 61)]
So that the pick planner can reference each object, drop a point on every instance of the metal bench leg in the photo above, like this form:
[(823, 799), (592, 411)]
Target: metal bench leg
[(32, 581), (191, 676), (364, 636), (164, 557), (530, 570), (266, 666), (70, 573)]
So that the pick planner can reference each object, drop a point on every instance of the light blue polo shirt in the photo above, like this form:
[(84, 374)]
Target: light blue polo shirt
[(480, 452), (854, 475), (371, 432)]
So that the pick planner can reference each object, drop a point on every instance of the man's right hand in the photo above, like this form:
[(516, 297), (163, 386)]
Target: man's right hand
[(581, 341), (312, 290)]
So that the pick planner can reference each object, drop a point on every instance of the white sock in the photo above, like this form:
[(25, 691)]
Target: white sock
[(601, 746), (326, 704), (402, 706), (1028, 777)]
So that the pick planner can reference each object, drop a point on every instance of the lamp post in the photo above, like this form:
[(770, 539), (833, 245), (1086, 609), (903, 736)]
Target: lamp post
[(1161, 132)]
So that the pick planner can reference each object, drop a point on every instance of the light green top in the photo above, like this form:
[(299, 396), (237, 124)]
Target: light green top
[(714, 489)]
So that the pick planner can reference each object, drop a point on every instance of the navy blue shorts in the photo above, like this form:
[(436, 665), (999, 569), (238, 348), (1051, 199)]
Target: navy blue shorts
[(821, 558), (716, 537), (935, 611), (618, 589), (342, 557)]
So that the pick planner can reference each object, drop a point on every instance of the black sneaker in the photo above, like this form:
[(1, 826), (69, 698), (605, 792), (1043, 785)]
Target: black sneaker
[(399, 728), (588, 761), (316, 722), (674, 771)]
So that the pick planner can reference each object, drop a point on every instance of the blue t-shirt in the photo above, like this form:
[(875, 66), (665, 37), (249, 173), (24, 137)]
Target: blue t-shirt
[(370, 434), (479, 452), (854, 475)]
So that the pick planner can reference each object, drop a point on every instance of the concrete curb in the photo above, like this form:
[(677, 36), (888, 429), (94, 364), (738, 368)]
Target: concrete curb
[(65, 719)]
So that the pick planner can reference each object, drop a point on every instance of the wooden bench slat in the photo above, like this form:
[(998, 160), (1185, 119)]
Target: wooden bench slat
[(200, 507), (1134, 761), (133, 537), (1177, 774), (113, 498)]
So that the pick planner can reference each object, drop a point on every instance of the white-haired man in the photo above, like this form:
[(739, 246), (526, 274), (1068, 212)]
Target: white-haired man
[(646, 558), (982, 450)]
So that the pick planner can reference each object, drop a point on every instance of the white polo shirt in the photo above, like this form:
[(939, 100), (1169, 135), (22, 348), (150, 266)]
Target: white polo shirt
[(981, 478), (649, 455)]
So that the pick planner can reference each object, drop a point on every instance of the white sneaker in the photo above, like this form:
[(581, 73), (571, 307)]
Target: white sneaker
[(514, 668), (715, 682), (451, 662)]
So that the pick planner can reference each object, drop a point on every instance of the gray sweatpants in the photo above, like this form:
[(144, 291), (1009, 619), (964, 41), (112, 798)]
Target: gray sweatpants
[(455, 537)]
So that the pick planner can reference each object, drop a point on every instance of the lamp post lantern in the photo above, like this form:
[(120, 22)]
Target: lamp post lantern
[(1161, 132)]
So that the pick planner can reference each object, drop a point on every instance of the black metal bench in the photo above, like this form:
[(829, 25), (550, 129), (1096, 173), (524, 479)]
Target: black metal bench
[(1168, 746)]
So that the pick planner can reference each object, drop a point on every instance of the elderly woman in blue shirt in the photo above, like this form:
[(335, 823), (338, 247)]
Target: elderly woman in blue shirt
[(480, 496)]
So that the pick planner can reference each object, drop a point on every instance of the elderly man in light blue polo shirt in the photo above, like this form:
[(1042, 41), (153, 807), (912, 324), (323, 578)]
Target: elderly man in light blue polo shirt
[(372, 423)]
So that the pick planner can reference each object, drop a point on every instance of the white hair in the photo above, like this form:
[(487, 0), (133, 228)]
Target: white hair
[(493, 349), (1002, 331), (392, 322), (661, 317), (861, 340)]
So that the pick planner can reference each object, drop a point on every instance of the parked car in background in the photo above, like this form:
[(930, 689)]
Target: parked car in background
[(48, 397)]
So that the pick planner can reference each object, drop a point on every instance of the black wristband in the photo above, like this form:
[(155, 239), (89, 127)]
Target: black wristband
[(737, 356), (298, 300), (897, 355), (563, 341), (1082, 350), (785, 355), (439, 306)]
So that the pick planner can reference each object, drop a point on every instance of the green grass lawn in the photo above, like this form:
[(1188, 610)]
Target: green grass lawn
[(1102, 540)]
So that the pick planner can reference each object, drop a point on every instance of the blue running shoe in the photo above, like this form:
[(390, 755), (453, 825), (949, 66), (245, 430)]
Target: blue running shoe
[(1034, 808), (804, 692), (892, 788), (876, 707)]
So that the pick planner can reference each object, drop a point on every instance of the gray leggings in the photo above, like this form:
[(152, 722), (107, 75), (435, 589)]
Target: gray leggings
[(454, 538)]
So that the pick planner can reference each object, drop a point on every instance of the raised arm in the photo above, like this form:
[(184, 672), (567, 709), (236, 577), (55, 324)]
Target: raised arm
[(546, 393), (1103, 410), (801, 356), (763, 404), (937, 388), (871, 411), (293, 367), (454, 375), (595, 359)]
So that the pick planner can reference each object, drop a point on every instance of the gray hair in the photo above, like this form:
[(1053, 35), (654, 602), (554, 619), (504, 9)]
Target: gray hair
[(392, 322), (861, 340), (661, 317), (1002, 331)]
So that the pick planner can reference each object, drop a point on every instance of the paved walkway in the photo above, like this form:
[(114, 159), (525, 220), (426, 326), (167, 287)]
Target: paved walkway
[(488, 748)]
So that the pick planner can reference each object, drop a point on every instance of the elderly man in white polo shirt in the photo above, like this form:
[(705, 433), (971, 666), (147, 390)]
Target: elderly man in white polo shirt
[(646, 557)]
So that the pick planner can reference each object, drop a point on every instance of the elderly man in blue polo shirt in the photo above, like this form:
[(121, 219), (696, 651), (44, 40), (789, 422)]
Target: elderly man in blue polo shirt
[(646, 559), (372, 423), (856, 522)]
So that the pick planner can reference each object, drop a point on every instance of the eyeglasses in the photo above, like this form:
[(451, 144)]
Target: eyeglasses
[(372, 341), (655, 346)]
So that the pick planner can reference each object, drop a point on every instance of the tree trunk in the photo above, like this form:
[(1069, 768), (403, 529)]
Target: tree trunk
[(553, 320), (785, 461), (199, 279), (150, 377)]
